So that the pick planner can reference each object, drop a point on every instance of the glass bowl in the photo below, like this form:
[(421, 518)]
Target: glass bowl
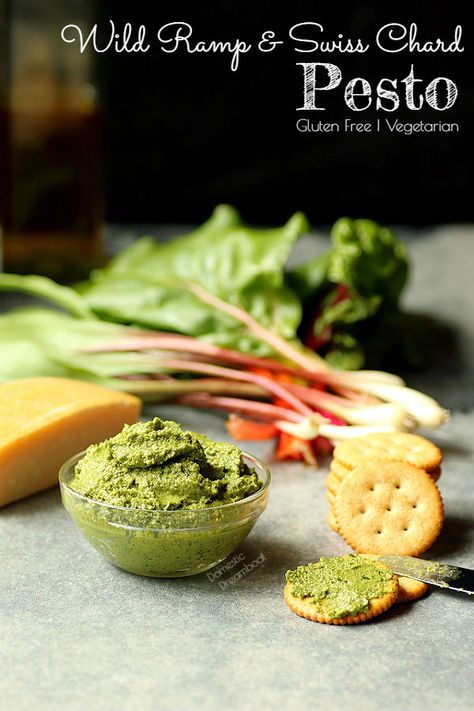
[(164, 544)]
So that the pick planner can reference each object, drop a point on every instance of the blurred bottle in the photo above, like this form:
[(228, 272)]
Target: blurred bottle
[(50, 148)]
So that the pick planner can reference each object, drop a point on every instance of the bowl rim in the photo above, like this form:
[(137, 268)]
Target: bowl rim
[(72, 461)]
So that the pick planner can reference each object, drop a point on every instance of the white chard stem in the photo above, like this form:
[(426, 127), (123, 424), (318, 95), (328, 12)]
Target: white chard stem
[(312, 427), (426, 411)]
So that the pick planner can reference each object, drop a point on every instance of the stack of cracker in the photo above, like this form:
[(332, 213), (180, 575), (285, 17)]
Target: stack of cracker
[(382, 493)]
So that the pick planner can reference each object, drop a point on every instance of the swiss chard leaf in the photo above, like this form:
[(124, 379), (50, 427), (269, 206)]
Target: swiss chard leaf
[(358, 281), (146, 284), (44, 288), (365, 257), (351, 309), (36, 341), (369, 259)]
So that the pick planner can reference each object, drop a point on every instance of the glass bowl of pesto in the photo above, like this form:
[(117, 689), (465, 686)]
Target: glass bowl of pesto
[(165, 543)]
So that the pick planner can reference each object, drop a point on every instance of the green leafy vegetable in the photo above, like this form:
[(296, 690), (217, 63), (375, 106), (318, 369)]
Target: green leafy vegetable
[(369, 259), (146, 283), (36, 341), (351, 291), (47, 289)]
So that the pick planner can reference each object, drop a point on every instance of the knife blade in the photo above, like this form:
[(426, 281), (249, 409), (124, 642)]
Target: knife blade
[(432, 572)]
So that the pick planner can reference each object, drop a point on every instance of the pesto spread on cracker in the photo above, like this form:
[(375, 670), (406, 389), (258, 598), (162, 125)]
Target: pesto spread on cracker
[(156, 465), (340, 586)]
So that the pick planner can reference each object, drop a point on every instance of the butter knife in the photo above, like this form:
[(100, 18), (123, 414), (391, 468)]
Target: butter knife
[(432, 572)]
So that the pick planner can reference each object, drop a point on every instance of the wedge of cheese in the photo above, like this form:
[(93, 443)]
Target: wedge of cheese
[(44, 421)]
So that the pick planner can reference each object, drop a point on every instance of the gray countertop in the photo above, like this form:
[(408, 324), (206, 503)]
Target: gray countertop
[(77, 633)]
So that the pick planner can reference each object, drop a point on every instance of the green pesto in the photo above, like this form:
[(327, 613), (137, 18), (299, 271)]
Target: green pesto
[(146, 543), (340, 586), (171, 485), (156, 465)]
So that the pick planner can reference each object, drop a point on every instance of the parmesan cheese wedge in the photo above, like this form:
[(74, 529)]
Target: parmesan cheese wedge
[(44, 421)]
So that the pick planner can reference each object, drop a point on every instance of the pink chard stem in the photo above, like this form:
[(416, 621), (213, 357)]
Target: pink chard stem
[(310, 363), (271, 386), (250, 408), (188, 344)]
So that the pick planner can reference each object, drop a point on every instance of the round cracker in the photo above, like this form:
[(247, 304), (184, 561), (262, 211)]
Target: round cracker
[(305, 608), (395, 446), (332, 482), (332, 520), (330, 497), (410, 589), (339, 470), (389, 507)]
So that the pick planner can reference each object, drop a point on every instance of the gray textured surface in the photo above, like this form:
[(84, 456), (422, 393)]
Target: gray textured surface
[(76, 633)]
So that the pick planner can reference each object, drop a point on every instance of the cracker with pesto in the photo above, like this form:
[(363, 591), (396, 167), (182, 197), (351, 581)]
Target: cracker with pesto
[(342, 590)]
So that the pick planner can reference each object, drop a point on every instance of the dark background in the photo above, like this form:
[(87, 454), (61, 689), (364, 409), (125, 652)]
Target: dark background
[(183, 132)]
